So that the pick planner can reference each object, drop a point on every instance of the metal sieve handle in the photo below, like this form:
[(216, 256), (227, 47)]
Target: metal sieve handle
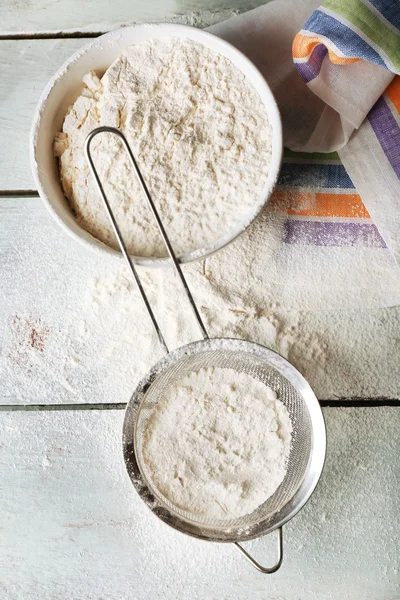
[(178, 269), (265, 570), (160, 226)]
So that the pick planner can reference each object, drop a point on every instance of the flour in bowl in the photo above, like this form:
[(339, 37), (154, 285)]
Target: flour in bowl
[(217, 444), (200, 134)]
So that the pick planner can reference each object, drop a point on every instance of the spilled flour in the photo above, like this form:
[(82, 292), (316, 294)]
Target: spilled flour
[(88, 339), (217, 443), (112, 304)]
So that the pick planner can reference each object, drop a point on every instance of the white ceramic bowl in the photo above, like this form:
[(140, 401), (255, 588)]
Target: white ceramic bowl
[(66, 85)]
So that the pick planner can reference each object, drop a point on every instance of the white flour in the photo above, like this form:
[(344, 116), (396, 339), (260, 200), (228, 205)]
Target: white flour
[(217, 444), (198, 130), (88, 338)]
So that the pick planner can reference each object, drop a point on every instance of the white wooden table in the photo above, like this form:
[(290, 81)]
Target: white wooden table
[(71, 526)]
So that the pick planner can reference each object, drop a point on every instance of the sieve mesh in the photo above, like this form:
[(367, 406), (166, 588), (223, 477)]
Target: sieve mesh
[(256, 366)]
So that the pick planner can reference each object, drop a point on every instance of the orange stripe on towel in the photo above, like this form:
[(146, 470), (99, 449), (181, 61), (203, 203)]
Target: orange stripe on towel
[(303, 45), (311, 204), (393, 91), (341, 60)]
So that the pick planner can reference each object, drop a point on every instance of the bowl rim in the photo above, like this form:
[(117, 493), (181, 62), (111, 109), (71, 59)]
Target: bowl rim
[(162, 30)]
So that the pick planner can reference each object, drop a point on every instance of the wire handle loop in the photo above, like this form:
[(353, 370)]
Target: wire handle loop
[(265, 570), (160, 226)]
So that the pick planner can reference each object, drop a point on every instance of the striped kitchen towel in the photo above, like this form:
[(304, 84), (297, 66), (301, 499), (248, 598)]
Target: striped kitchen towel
[(321, 203), (349, 31), (345, 53), (329, 68)]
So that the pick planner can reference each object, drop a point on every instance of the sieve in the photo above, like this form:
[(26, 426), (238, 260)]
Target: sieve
[(307, 453)]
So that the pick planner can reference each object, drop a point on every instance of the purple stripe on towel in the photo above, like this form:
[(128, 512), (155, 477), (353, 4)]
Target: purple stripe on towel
[(331, 233), (310, 69), (387, 131)]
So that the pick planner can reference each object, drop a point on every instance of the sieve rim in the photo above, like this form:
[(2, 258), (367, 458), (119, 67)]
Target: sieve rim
[(312, 472)]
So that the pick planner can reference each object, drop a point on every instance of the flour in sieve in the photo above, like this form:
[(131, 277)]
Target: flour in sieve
[(198, 130), (217, 443)]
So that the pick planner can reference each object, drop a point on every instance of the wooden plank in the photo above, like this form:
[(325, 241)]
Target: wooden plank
[(26, 67), (70, 323), (72, 525), (99, 15)]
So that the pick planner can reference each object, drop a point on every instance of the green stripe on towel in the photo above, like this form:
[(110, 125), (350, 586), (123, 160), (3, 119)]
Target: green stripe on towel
[(371, 26)]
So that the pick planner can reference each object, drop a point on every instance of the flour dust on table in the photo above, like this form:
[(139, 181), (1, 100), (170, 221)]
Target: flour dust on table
[(88, 339), (217, 443), (115, 328), (197, 128)]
